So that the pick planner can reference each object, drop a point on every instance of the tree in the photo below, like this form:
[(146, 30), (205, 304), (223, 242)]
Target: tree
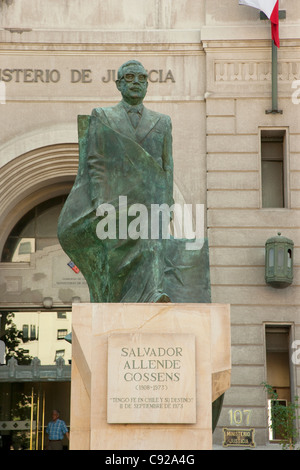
[(283, 419), (12, 339)]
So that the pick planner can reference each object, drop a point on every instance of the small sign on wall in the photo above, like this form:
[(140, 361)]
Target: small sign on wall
[(238, 437)]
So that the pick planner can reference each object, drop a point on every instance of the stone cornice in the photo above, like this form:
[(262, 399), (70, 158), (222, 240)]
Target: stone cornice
[(238, 34), (100, 38)]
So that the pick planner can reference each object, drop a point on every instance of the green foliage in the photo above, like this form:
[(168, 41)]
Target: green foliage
[(13, 338), (283, 419), (20, 412)]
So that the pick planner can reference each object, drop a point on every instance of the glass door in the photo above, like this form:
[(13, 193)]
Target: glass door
[(22, 415)]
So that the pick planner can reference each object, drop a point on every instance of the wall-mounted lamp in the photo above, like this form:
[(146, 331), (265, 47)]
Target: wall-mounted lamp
[(279, 261)]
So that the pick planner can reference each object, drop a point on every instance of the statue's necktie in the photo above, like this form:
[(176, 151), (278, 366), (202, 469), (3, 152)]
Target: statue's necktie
[(134, 116)]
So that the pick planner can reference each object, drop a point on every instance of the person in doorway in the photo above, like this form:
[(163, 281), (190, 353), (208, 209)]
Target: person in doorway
[(56, 431)]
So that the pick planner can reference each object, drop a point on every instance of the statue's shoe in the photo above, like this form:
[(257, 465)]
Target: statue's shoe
[(161, 298)]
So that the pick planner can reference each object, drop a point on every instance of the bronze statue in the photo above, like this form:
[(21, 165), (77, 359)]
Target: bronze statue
[(126, 155)]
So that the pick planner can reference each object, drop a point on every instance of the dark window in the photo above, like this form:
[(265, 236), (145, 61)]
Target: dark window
[(25, 331), (33, 334), (61, 315), (61, 334), (59, 353), (273, 172), (36, 230)]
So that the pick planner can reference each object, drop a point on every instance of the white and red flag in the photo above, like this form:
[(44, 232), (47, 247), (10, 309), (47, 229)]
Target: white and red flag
[(270, 9)]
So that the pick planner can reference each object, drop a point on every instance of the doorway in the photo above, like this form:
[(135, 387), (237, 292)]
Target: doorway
[(25, 410), (278, 369)]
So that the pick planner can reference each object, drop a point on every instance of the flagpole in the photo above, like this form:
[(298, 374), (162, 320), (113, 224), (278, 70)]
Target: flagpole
[(274, 15), (274, 109), (274, 77)]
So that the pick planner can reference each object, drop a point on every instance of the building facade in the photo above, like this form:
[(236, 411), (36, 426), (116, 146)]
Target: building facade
[(210, 69)]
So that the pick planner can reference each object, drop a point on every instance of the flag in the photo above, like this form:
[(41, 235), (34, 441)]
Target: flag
[(271, 10), (73, 266)]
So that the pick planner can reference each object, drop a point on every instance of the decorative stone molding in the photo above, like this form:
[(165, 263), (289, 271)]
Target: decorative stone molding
[(254, 71), (12, 366), (16, 425), (35, 371), (35, 364)]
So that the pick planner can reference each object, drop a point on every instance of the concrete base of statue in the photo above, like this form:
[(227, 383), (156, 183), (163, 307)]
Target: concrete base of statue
[(144, 376)]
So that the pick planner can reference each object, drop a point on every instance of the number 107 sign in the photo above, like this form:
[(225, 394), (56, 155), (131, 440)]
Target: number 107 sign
[(240, 417)]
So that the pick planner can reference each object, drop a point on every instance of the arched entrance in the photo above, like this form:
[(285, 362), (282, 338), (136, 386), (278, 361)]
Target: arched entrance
[(37, 288), (32, 178)]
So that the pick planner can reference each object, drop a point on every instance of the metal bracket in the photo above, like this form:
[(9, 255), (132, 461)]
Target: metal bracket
[(281, 13), (274, 111)]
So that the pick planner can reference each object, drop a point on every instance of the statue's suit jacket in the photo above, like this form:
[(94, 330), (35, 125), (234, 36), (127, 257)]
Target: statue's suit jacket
[(153, 134)]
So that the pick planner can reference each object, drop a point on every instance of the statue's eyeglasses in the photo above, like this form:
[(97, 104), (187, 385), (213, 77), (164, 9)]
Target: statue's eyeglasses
[(129, 77)]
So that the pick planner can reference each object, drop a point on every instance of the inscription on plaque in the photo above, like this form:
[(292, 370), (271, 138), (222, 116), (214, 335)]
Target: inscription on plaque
[(151, 378)]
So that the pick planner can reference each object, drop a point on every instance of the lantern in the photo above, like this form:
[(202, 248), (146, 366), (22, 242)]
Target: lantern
[(279, 261)]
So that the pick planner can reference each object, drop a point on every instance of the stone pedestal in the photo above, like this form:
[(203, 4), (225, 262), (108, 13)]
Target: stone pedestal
[(144, 376)]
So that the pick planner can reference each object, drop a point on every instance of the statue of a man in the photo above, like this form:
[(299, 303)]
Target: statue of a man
[(128, 153)]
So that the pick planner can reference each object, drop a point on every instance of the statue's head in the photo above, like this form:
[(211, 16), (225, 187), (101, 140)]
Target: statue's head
[(132, 82)]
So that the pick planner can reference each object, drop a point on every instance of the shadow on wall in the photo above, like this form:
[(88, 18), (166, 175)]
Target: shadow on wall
[(6, 2)]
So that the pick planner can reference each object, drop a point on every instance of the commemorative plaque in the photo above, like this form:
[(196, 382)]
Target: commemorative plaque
[(151, 378)]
